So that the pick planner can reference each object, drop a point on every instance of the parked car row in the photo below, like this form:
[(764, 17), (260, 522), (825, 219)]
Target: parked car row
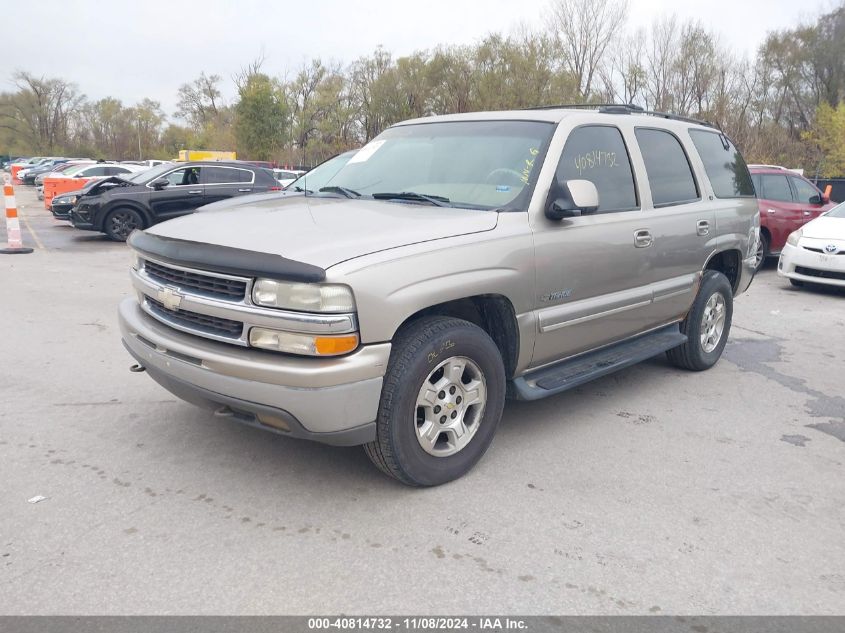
[(117, 204)]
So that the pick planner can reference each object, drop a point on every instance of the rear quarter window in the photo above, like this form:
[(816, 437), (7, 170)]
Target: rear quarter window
[(723, 163)]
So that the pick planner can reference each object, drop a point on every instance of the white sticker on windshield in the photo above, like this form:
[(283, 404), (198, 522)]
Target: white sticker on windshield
[(365, 152)]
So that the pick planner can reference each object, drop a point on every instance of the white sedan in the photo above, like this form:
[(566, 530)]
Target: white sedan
[(815, 253)]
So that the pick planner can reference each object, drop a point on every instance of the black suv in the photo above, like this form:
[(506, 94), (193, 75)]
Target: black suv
[(116, 206)]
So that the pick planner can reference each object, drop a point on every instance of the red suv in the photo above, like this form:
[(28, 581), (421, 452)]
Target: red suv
[(787, 201)]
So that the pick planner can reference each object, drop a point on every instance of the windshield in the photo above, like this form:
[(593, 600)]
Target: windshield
[(475, 164), (837, 211), (318, 177), (76, 169), (70, 168), (147, 175)]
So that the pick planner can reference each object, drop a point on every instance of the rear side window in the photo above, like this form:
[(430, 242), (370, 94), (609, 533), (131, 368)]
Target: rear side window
[(597, 153), (725, 166), (775, 187), (804, 190), (668, 169), (226, 175)]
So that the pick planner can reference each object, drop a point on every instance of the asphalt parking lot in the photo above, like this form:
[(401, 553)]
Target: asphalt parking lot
[(653, 491)]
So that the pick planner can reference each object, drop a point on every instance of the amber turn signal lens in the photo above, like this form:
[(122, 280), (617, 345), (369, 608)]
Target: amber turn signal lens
[(332, 346)]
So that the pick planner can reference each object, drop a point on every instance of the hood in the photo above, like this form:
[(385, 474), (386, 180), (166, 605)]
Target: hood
[(825, 228), (325, 231), (97, 185), (239, 201)]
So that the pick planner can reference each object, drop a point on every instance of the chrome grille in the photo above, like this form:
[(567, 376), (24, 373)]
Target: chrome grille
[(211, 286), (196, 321)]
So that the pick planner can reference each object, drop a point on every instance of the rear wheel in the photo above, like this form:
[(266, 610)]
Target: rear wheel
[(443, 395), (119, 223), (707, 324)]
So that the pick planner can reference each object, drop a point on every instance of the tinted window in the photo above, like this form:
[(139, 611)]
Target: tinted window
[(669, 172), (725, 167), (598, 154), (775, 187), (92, 172), (803, 190), (224, 175)]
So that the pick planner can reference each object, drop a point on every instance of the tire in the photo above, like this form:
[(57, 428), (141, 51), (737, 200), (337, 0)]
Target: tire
[(797, 283), (420, 350), (697, 354), (119, 223), (762, 251)]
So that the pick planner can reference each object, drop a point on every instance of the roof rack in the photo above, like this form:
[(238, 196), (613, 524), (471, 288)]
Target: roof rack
[(624, 108)]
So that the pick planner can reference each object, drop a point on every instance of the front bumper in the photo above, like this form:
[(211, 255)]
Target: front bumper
[(81, 221), (811, 266), (61, 211), (333, 400)]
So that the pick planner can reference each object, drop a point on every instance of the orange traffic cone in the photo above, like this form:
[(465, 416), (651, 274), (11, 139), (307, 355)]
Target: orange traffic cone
[(14, 244)]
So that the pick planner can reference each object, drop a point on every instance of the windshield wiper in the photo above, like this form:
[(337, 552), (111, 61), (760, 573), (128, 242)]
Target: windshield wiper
[(349, 193), (437, 201)]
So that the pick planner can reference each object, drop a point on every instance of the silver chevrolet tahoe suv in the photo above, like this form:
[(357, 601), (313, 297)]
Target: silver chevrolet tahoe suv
[(453, 262)]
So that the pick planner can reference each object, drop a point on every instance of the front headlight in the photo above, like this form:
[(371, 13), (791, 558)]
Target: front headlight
[(303, 344), (303, 297), (793, 238)]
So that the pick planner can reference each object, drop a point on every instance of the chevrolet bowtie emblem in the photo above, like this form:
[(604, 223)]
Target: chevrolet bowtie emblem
[(170, 298)]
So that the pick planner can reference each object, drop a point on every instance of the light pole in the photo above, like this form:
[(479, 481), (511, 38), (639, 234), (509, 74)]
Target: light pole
[(140, 155)]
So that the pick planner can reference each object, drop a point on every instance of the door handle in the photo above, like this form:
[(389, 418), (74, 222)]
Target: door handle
[(770, 211), (244, 190), (195, 192), (807, 213), (643, 238), (702, 227)]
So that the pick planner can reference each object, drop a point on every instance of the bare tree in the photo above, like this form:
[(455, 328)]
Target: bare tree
[(41, 111), (584, 29), (199, 100)]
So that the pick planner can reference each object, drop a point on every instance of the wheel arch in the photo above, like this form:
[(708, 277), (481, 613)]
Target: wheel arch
[(493, 313), (729, 263)]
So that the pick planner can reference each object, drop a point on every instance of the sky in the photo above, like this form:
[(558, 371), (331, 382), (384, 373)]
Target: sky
[(137, 49)]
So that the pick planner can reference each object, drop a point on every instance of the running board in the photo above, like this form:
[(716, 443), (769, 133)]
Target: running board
[(576, 371)]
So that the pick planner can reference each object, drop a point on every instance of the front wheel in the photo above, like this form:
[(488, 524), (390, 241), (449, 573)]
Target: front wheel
[(707, 324), (119, 223), (442, 399)]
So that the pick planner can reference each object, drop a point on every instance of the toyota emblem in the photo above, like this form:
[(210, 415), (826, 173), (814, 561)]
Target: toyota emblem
[(830, 248)]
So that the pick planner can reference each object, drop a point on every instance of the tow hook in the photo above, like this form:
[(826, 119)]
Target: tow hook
[(137, 369)]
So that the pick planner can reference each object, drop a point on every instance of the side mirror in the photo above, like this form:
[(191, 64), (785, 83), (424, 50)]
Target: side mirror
[(160, 184), (571, 199)]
